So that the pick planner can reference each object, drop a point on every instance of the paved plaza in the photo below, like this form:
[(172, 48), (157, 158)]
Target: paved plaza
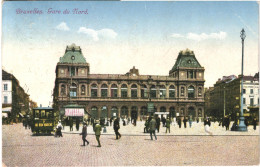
[(21, 148)]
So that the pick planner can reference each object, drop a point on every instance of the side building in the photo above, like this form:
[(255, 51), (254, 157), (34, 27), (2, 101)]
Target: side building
[(224, 99), (15, 101), (181, 93)]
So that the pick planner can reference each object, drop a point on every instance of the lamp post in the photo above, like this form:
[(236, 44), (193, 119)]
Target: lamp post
[(242, 126)]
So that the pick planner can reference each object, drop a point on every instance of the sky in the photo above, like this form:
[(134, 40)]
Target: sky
[(115, 36)]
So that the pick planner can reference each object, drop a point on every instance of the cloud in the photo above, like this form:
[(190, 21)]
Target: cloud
[(203, 36), (96, 34), (62, 26), (177, 36)]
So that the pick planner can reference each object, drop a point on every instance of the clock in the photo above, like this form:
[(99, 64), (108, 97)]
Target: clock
[(61, 71), (82, 71)]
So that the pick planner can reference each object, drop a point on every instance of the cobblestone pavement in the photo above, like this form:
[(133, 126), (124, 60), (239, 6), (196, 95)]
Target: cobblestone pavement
[(20, 148)]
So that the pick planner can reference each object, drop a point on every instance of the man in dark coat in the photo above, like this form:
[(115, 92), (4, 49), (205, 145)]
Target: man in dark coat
[(185, 122), (254, 123), (111, 119), (116, 128), (163, 121), (77, 124), (227, 123), (84, 134), (71, 124), (158, 123), (179, 122)]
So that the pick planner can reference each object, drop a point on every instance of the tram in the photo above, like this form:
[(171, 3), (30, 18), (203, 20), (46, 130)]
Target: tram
[(43, 120)]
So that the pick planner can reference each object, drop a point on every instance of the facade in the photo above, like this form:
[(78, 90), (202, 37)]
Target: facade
[(15, 101), (181, 93), (225, 97)]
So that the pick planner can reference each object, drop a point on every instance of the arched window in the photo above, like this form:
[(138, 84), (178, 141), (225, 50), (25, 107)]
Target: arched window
[(191, 92), (133, 91), (200, 91), (162, 91), (83, 90), (63, 90), (73, 90), (153, 91), (103, 90), (124, 90), (182, 91), (144, 93), (172, 92), (94, 90), (114, 90), (104, 113), (94, 112)]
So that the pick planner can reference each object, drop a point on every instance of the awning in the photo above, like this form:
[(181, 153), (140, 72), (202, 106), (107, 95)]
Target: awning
[(7, 109)]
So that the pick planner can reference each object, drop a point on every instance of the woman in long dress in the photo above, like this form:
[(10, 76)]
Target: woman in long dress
[(206, 126)]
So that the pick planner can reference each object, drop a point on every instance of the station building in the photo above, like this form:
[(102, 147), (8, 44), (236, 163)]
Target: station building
[(180, 93)]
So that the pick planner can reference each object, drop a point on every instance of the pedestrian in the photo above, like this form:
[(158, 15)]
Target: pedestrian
[(158, 123), (168, 125), (179, 122), (163, 121), (146, 126), (71, 123), (128, 120), (134, 121), (152, 127), (190, 122), (84, 134), (116, 128), (124, 122), (77, 124), (223, 122), (227, 123), (111, 119), (206, 126), (97, 130), (246, 122), (185, 122), (58, 129), (254, 123), (197, 120)]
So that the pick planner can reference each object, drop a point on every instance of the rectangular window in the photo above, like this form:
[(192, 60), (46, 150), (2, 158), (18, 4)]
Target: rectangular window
[(133, 92), (172, 93), (113, 92), (244, 91), (251, 101), (72, 71), (162, 93), (103, 92), (5, 99), (153, 93), (93, 92), (244, 100), (251, 91), (5, 87)]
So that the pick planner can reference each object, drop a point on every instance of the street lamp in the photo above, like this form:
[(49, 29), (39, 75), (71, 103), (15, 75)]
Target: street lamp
[(242, 126)]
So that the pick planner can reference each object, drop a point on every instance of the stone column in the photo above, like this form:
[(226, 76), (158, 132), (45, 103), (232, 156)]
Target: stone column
[(119, 111), (138, 91), (138, 113), (99, 112), (128, 91), (99, 90), (109, 91), (119, 90), (167, 91)]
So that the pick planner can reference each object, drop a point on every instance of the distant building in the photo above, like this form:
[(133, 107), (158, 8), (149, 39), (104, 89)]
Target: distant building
[(225, 97), (181, 93), (15, 101)]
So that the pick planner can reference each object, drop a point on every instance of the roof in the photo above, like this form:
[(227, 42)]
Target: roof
[(73, 106), (6, 75), (43, 108), (73, 50), (186, 58)]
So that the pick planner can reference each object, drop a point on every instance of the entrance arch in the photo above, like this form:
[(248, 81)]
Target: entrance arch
[(124, 112), (94, 112), (191, 112), (114, 112), (104, 113)]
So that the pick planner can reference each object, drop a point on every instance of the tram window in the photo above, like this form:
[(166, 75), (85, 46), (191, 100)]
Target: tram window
[(36, 113), (47, 114), (43, 113)]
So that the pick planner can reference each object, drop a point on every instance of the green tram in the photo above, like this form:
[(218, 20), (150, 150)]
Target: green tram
[(43, 120)]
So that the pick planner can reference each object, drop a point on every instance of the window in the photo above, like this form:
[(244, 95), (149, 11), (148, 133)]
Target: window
[(5, 99), (72, 71), (5, 87), (251, 91), (182, 91), (114, 90), (124, 90), (191, 92), (244, 91), (134, 91), (251, 101), (244, 100), (104, 90), (83, 90), (144, 92), (94, 90), (200, 91), (162, 91), (73, 90), (172, 91), (63, 90), (153, 91)]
